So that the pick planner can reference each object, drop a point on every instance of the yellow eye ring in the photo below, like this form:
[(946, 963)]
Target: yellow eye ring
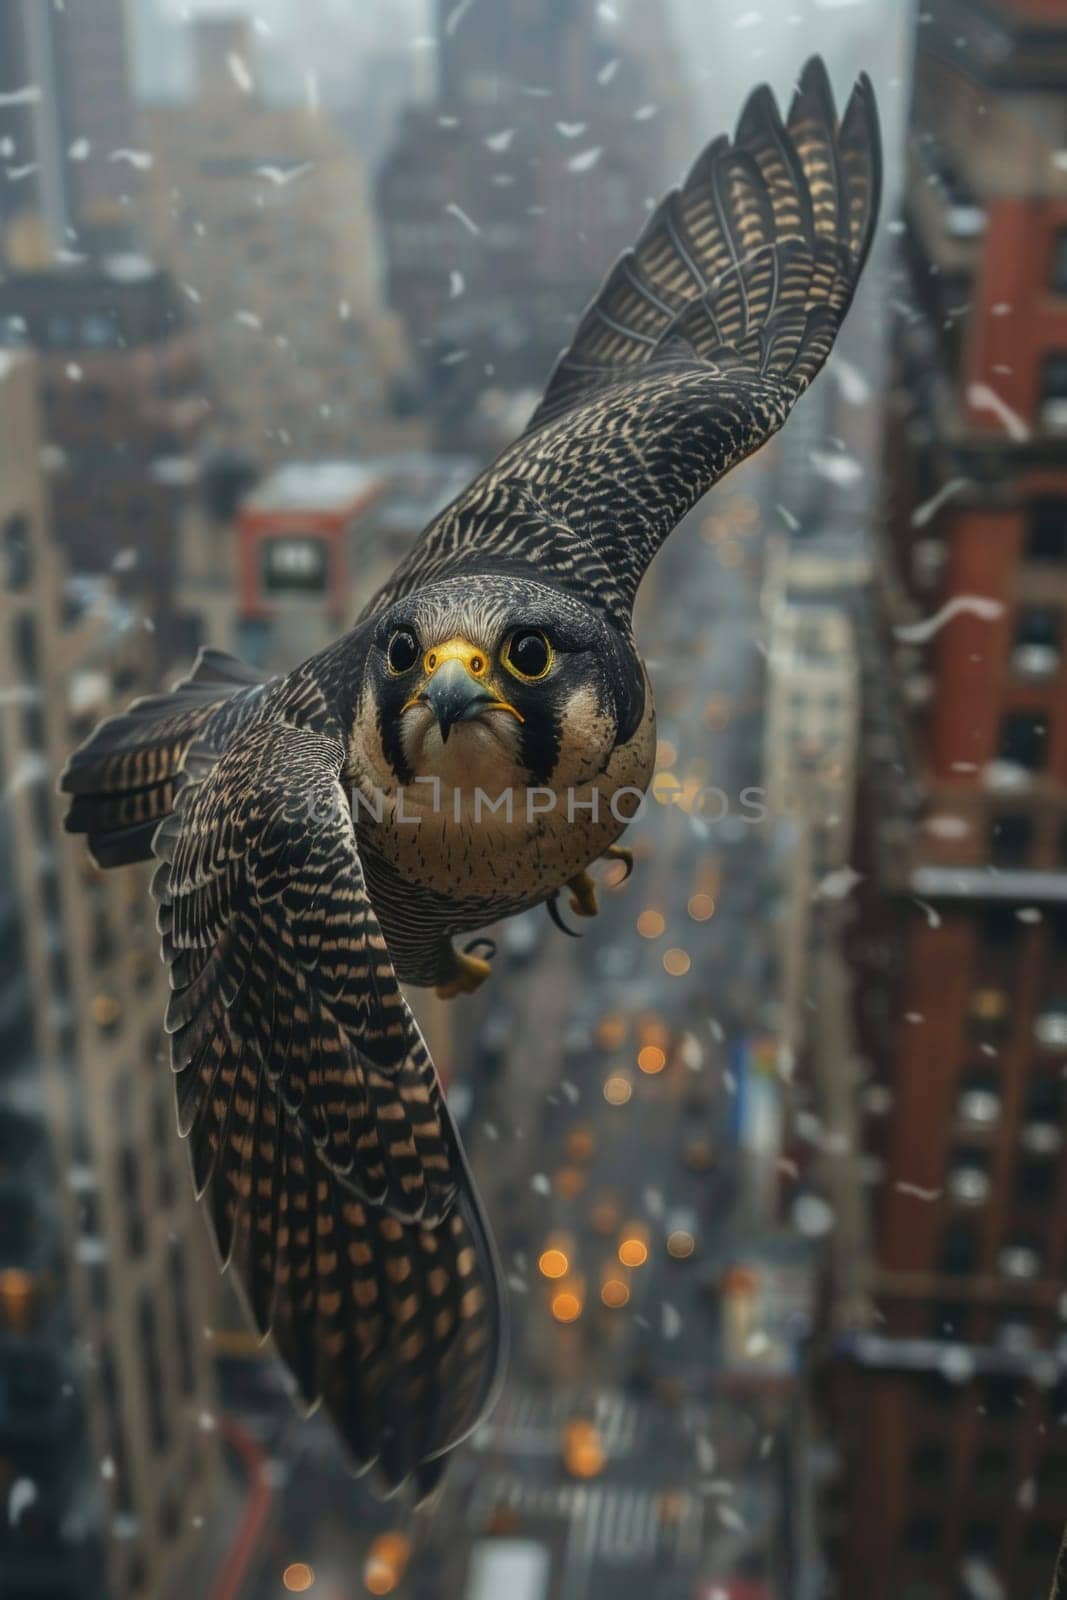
[(523, 637)]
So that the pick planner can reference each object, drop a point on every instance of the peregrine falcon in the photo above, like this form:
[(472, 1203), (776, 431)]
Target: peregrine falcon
[(467, 750)]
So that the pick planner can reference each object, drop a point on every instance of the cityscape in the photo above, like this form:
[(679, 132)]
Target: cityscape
[(774, 1151)]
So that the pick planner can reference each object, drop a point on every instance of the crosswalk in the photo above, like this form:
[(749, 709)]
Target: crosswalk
[(610, 1524), (530, 1422)]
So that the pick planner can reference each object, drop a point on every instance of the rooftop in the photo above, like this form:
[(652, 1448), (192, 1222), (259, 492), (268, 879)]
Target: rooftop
[(314, 486)]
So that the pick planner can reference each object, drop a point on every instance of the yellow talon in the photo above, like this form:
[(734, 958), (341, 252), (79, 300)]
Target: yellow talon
[(583, 895), (620, 852), (470, 973)]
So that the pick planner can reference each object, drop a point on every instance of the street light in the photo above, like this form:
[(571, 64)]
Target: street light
[(633, 1246)]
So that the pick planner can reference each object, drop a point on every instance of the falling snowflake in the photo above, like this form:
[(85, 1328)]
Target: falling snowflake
[(585, 159), (454, 210), (239, 72)]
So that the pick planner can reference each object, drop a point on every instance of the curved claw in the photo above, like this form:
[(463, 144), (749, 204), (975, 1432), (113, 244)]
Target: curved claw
[(552, 907), (482, 945)]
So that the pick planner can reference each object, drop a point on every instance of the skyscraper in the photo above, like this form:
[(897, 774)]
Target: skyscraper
[(105, 1462), (123, 406), (260, 210), (70, 166), (504, 199), (955, 1393)]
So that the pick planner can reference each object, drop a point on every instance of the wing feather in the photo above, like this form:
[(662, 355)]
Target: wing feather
[(695, 350), (320, 1143)]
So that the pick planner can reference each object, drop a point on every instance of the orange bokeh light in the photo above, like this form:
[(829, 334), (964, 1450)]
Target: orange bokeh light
[(614, 1293), (633, 1251), (650, 924), (298, 1577), (605, 1216), (651, 1059), (553, 1264), (583, 1451), (701, 907), (566, 1305), (387, 1561), (569, 1182), (611, 1031), (676, 963), (580, 1144)]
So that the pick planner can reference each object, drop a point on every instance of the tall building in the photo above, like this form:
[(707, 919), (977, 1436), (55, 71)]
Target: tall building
[(261, 212), (66, 128), (954, 1396), (123, 408), (105, 1465), (506, 196)]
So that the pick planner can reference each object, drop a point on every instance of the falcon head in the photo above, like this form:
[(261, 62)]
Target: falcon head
[(495, 679)]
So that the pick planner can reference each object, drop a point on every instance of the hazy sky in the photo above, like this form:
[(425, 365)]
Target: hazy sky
[(724, 45)]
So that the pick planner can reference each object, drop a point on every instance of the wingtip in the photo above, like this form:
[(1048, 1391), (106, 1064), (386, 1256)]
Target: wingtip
[(814, 83), (861, 122), (760, 106)]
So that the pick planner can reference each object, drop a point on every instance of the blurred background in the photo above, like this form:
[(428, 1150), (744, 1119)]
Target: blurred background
[(775, 1153)]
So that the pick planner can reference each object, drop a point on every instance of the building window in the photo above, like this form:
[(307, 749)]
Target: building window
[(978, 1103), (1043, 1540), (1001, 1398), (14, 333), (959, 1250), (992, 1468), (129, 1182), (294, 566), (1046, 536), (180, 1292), (1020, 1258), (1024, 740), (989, 1013), (1052, 1475), (17, 551), (968, 1181), (930, 1462), (1036, 651), (1035, 1179), (24, 631), (1059, 262), (982, 1537), (1011, 839), (949, 1322), (1053, 407), (1001, 928), (152, 1373), (923, 1534), (1050, 1024), (1044, 1098), (936, 1392)]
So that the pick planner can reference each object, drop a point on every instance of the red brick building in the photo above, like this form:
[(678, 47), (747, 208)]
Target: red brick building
[(953, 1401)]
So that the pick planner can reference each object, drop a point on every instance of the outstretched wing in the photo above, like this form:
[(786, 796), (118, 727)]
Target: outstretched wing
[(692, 355), (334, 1180)]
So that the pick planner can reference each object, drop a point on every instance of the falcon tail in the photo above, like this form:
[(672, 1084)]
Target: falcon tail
[(122, 778)]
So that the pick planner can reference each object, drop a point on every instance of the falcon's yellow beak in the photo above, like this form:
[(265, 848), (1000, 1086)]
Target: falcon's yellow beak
[(455, 685)]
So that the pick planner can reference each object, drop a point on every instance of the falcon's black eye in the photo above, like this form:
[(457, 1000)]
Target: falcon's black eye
[(403, 651), (528, 654)]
